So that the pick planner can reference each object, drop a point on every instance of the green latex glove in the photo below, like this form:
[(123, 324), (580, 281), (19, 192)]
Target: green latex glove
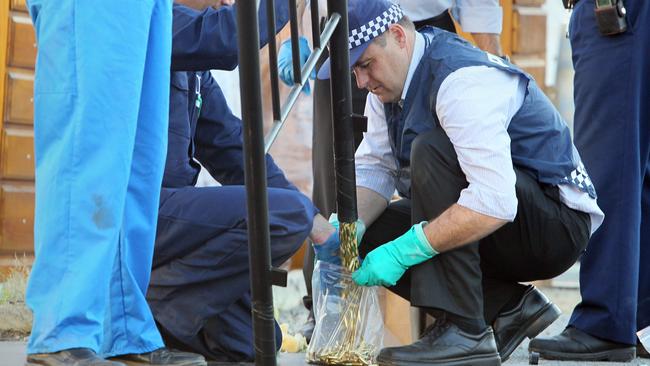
[(361, 227), (386, 264)]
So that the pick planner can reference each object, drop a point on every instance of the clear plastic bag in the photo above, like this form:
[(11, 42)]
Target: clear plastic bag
[(349, 323)]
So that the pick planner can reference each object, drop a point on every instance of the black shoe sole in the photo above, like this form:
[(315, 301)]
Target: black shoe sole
[(533, 327), (618, 355), (478, 360), (39, 363)]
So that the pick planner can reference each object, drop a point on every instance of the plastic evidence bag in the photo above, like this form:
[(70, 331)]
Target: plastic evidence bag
[(349, 323)]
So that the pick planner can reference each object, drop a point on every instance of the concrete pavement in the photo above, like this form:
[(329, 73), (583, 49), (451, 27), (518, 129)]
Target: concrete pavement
[(13, 354)]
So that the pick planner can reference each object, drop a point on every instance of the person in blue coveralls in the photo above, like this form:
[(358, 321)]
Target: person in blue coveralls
[(493, 191), (100, 135), (200, 286), (612, 129)]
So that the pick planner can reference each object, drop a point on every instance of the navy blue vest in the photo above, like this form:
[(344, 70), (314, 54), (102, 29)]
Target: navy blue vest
[(540, 139)]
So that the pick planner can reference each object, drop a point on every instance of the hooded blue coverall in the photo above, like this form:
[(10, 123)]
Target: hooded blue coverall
[(100, 132), (200, 286), (612, 131)]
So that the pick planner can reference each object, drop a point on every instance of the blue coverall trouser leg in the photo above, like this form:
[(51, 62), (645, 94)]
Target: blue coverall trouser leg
[(100, 125), (612, 132), (200, 284)]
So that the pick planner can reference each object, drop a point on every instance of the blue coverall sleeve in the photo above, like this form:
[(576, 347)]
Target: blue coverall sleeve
[(204, 40), (219, 141)]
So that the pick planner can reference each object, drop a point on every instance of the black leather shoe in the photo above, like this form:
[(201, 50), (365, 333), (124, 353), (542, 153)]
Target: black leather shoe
[(444, 343), (534, 313), (163, 356), (641, 352), (69, 357), (307, 329), (575, 345)]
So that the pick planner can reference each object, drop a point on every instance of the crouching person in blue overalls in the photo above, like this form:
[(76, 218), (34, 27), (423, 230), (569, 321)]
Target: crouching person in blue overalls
[(200, 286)]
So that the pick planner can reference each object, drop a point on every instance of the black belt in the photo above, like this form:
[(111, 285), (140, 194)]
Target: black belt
[(442, 21)]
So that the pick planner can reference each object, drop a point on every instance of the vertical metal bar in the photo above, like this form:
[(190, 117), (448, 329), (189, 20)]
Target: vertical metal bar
[(255, 177), (295, 46), (273, 59), (315, 24), (346, 194), (328, 28)]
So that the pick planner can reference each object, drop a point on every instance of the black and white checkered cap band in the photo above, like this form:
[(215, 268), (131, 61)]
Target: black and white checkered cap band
[(375, 27)]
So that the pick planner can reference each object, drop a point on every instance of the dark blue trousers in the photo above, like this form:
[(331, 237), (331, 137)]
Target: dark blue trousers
[(200, 284), (612, 132)]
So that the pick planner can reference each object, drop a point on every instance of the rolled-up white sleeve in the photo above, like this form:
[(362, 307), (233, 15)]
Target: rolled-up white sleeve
[(478, 16), (376, 168), (475, 106)]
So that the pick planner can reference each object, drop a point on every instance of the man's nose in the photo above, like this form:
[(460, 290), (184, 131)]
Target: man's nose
[(362, 79)]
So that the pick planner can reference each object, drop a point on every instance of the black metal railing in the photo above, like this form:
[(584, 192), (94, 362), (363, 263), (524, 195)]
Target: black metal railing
[(281, 113), (335, 31)]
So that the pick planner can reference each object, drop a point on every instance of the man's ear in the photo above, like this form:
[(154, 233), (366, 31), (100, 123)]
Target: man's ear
[(398, 33)]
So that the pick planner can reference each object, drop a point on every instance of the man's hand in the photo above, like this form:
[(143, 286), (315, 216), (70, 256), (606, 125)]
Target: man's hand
[(385, 265), (488, 42), (325, 239), (328, 251), (221, 3), (285, 63)]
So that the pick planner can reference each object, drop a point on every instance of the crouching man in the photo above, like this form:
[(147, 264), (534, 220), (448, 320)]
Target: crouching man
[(493, 191)]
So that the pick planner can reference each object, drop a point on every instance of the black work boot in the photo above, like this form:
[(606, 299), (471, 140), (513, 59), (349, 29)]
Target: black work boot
[(575, 345), (443, 343), (69, 357), (534, 313), (163, 356)]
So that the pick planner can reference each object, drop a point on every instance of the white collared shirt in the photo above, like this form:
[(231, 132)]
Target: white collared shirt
[(474, 16), (474, 106)]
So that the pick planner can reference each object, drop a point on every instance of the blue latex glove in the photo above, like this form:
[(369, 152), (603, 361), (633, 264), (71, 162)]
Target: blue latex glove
[(386, 264), (285, 63), (329, 250)]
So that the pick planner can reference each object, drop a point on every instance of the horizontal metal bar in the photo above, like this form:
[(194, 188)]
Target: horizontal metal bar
[(307, 69)]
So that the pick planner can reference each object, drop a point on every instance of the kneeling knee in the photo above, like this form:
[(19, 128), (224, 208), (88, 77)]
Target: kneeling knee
[(291, 219)]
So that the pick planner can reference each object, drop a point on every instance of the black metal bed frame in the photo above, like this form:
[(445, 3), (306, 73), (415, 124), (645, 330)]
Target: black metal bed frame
[(335, 31)]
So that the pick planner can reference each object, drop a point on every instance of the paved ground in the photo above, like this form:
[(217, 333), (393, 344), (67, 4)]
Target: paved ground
[(12, 354)]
